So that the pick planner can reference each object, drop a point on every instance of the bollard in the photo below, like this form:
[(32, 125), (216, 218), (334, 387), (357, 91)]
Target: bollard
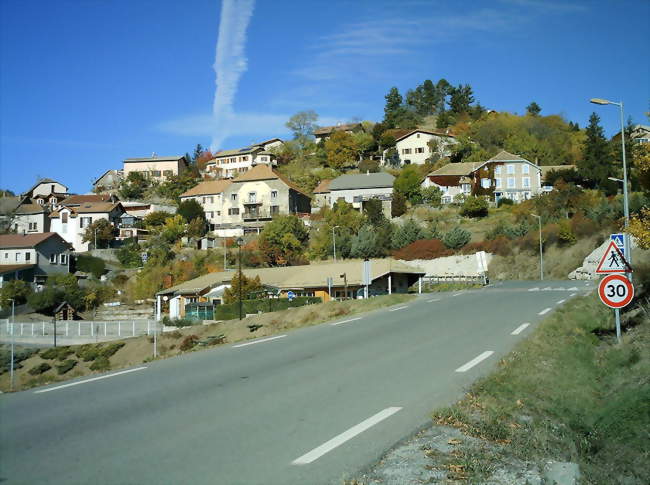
[(119, 329), (132, 328)]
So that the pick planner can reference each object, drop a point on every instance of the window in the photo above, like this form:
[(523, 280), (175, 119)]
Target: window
[(525, 168), (6, 255), (511, 182), (155, 173), (63, 258), (233, 197), (208, 200), (275, 209), (498, 183), (526, 182), (417, 135), (233, 212), (168, 173), (33, 226), (52, 189), (244, 158), (85, 222), (466, 188), (218, 213), (252, 197), (52, 258), (28, 256), (419, 150), (485, 183), (264, 159), (511, 169), (209, 215), (406, 151), (17, 256), (274, 194), (497, 170), (40, 201), (64, 217)]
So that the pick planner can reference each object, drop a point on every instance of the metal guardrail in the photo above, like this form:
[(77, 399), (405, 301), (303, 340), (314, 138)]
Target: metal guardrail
[(78, 328)]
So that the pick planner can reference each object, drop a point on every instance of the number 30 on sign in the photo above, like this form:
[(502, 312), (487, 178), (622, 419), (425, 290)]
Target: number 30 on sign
[(615, 291)]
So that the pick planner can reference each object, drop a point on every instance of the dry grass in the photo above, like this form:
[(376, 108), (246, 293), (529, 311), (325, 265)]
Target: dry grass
[(140, 349)]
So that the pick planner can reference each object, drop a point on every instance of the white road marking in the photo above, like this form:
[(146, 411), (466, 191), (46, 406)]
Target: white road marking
[(560, 302), (457, 294), (346, 321), (520, 329), (398, 308), (548, 288), (338, 440), (474, 361), (572, 289), (258, 341), (533, 289), (431, 301), (89, 380), (544, 311), (572, 294)]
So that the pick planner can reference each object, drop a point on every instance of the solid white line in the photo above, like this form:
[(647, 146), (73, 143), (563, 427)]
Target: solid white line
[(572, 294), (560, 302), (338, 440), (544, 311), (519, 329), (398, 308), (345, 321), (533, 289), (258, 341), (457, 294), (435, 299), (89, 380), (474, 361)]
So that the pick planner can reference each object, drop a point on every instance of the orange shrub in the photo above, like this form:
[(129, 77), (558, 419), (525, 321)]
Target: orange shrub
[(423, 249)]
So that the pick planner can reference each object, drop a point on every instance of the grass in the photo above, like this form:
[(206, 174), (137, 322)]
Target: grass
[(119, 354), (440, 287), (565, 394)]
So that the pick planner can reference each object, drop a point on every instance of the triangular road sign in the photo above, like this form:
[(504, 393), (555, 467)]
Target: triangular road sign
[(613, 261)]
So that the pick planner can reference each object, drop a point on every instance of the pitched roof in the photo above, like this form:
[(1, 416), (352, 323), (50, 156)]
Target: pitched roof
[(85, 198), (463, 168), (362, 181), (10, 268), (427, 132), (208, 187), (26, 240), (9, 204), (42, 181), (155, 159), (261, 143), (296, 277), (504, 156), (89, 208), (323, 187), (236, 151), (30, 209), (264, 172), (326, 130)]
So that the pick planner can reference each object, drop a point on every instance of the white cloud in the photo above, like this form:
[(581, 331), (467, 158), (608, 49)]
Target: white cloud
[(229, 65)]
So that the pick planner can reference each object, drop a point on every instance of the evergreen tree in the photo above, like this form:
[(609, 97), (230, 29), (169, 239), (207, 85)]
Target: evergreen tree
[(364, 244), (595, 164), (392, 109), (197, 153), (406, 234), (533, 109), (461, 99), (398, 204)]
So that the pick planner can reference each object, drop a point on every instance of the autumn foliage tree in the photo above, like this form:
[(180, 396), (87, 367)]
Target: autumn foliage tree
[(283, 240), (341, 150), (243, 286)]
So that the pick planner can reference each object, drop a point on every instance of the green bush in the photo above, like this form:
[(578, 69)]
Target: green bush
[(231, 311), (20, 354), (91, 264), (110, 349), (58, 353), (456, 238), (504, 201), (40, 369), (65, 366), (474, 207), (101, 363), (87, 352)]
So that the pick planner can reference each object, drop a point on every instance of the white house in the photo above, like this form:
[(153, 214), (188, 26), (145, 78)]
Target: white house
[(359, 188), (415, 147), (232, 163), (209, 194), (71, 222)]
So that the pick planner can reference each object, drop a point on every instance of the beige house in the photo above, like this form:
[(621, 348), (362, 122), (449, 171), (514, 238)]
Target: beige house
[(356, 189), (109, 181), (71, 222), (209, 194), (155, 167), (505, 175), (416, 146), (386, 276), (46, 192), (30, 218), (231, 163)]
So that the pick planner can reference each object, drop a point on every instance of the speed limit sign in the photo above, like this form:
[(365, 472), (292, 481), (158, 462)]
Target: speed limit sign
[(615, 291)]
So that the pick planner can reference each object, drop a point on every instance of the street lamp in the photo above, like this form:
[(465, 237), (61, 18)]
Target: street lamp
[(240, 242), (13, 317), (626, 206), (541, 257), (334, 241)]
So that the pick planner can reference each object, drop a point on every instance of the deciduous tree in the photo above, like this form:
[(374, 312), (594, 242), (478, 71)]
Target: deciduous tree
[(341, 150), (100, 232), (283, 240)]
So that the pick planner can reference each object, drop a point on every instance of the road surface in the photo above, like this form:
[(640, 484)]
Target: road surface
[(312, 406)]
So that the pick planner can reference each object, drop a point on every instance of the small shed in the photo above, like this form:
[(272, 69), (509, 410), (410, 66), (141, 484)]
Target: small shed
[(65, 311)]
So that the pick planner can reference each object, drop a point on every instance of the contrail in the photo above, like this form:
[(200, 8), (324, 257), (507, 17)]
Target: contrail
[(230, 63)]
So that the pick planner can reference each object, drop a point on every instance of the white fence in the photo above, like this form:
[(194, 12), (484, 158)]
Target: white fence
[(79, 328)]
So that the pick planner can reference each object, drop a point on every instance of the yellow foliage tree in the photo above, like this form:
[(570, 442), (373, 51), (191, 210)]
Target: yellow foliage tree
[(640, 228)]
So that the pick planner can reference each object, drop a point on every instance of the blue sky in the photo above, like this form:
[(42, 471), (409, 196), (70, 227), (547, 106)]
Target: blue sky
[(87, 83)]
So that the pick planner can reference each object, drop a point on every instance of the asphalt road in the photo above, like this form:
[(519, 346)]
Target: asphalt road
[(314, 406)]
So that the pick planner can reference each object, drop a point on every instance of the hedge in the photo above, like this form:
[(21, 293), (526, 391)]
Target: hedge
[(231, 310)]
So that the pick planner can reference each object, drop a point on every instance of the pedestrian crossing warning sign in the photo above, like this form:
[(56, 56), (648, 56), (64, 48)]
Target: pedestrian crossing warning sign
[(613, 261)]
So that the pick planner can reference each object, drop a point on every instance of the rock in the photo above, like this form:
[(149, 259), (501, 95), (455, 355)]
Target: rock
[(561, 473), (588, 269)]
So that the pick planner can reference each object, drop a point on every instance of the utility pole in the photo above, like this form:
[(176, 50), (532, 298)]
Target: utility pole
[(334, 241), (13, 318), (240, 241), (541, 257)]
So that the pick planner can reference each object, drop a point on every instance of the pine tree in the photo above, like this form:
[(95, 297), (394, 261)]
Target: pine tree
[(596, 161)]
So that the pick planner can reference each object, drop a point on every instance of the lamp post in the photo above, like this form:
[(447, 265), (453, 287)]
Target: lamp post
[(240, 241), (13, 317), (334, 241), (541, 257), (626, 206)]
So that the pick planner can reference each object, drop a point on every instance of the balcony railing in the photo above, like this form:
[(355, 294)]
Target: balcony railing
[(256, 215)]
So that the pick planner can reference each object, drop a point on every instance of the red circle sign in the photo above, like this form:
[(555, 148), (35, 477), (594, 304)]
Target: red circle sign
[(615, 291)]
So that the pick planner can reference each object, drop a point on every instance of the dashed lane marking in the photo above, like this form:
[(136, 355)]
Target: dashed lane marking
[(475, 361), (520, 329), (86, 381), (398, 308), (544, 311), (258, 341), (346, 321)]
